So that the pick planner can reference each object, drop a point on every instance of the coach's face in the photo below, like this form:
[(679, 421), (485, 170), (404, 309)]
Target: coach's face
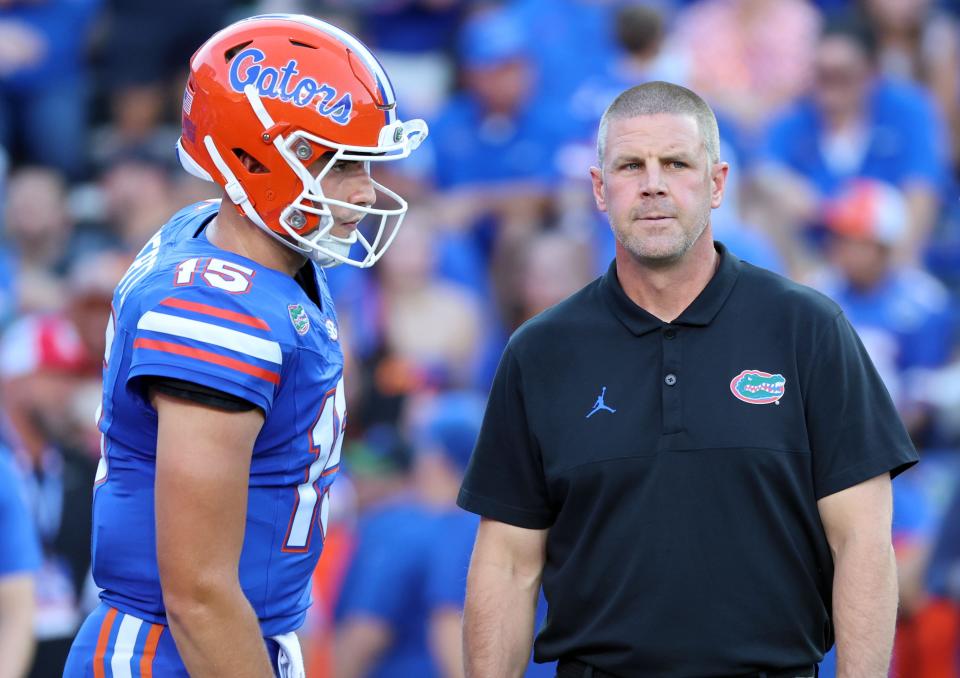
[(657, 185)]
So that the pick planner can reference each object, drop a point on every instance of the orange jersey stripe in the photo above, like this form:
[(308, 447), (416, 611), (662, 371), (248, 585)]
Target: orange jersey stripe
[(99, 665), (150, 650), (215, 312), (208, 356)]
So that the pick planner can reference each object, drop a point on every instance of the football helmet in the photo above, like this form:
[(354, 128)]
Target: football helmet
[(288, 90)]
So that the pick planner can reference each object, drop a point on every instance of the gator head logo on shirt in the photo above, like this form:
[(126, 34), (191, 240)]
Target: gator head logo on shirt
[(298, 316), (758, 388)]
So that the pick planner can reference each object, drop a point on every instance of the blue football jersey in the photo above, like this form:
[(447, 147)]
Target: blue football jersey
[(188, 310)]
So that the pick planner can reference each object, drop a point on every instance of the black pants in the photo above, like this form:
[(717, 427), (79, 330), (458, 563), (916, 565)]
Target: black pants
[(577, 669)]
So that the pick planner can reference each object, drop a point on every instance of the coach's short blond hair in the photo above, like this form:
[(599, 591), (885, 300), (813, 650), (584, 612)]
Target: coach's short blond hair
[(652, 98)]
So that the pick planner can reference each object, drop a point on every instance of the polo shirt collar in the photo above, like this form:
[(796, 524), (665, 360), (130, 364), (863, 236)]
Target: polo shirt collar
[(699, 313)]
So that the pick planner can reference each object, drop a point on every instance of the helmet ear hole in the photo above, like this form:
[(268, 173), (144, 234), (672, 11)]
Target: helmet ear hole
[(232, 52), (250, 163)]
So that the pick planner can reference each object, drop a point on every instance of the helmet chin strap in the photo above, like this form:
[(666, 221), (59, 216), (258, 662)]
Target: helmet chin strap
[(339, 246)]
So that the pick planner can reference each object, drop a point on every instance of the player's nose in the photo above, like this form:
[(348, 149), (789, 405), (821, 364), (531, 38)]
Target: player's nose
[(362, 190)]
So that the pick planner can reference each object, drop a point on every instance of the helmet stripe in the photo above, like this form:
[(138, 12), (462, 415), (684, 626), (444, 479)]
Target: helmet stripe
[(361, 50)]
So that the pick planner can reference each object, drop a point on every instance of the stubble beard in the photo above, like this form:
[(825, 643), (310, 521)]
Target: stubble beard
[(660, 254)]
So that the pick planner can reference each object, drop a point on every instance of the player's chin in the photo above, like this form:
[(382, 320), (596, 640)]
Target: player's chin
[(344, 229)]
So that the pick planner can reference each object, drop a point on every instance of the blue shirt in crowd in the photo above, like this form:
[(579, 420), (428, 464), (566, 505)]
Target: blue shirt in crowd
[(906, 141), (470, 147), (910, 307), (386, 581), (19, 545)]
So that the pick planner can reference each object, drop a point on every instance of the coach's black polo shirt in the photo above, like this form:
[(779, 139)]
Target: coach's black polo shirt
[(678, 468)]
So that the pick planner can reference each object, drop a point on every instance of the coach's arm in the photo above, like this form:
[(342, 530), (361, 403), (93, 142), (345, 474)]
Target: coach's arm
[(503, 585), (203, 469), (858, 524)]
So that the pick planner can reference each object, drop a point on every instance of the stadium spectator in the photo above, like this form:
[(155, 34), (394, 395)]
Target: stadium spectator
[(381, 615), (581, 43), (49, 377), (943, 576), (44, 83), (927, 644), (415, 39), (37, 232), (901, 313), (41, 240), (445, 428), (144, 48), (552, 266), (494, 143), (919, 42), (19, 560), (319, 650), (749, 58), (644, 53), (43, 363), (427, 321), (853, 125), (413, 327), (137, 189)]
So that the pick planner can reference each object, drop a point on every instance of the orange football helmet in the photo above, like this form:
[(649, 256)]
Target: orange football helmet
[(285, 90)]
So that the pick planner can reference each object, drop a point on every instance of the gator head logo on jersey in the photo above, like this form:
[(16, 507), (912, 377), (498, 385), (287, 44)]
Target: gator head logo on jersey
[(758, 388), (299, 318)]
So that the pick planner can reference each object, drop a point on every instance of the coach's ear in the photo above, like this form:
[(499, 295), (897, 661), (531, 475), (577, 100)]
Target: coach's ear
[(718, 183), (596, 178)]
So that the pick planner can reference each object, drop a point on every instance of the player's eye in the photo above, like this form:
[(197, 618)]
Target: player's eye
[(347, 166)]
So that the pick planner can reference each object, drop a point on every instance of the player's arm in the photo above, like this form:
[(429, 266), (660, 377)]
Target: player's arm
[(203, 468), (16, 624), (503, 585), (858, 523)]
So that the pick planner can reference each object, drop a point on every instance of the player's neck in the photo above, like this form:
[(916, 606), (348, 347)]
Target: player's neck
[(666, 292), (234, 233)]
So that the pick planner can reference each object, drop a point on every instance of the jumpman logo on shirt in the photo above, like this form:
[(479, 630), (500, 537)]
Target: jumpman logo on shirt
[(600, 405)]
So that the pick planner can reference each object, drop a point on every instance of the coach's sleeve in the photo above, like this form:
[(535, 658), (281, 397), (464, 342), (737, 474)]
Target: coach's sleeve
[(854, 429), (505, 480)]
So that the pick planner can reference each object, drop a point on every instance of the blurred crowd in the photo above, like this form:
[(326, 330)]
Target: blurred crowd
[(840, 120)]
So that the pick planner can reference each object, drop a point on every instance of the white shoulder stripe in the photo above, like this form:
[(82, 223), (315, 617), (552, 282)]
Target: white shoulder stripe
[(241, 342)]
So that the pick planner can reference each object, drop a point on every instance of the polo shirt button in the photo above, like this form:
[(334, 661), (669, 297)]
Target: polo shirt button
[(670, 333), (670, 379)]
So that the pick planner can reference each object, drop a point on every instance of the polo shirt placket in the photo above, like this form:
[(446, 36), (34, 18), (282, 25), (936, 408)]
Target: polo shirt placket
[(672, 383)]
